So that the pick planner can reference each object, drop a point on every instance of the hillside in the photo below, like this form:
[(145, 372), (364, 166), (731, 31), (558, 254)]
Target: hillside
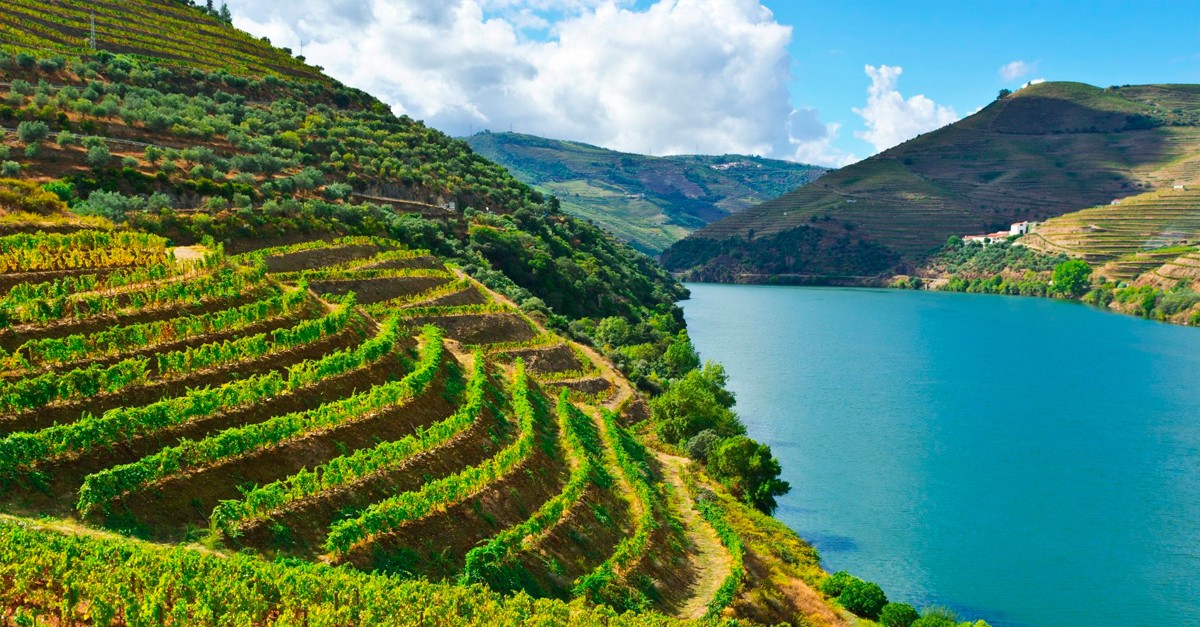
[(650, 202), (256, 315), (1044, 151)]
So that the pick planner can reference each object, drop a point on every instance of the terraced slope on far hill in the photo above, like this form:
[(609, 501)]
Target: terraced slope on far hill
[(1044, 151), (650, 202)]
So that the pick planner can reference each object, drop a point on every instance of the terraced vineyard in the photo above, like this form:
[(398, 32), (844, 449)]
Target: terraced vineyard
[(168, 31), (1138, 235), (349, 402)]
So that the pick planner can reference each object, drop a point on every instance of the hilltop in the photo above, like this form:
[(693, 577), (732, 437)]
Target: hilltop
[(337, 368), (650, 202), (1044, 151)]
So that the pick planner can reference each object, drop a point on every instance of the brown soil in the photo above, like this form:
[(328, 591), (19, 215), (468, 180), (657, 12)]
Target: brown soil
[(146, 394), (467, 296), (377, 290), (481, 328), (545, 360), (301, 529), (320, 257), (169, 507), (589, 385), (424, 262)]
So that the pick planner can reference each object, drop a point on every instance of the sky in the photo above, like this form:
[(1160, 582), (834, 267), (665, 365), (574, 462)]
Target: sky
[(828, 82)]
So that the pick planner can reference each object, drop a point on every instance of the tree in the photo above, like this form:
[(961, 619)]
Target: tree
[(864, 598), (749, 470), (696, 402), (1004, 93), (32, 132), (1072, 278), (226, 16), (98, 156), (898, 615)]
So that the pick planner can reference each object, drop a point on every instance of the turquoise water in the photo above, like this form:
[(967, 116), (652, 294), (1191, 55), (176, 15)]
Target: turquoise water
[(1026, 461)]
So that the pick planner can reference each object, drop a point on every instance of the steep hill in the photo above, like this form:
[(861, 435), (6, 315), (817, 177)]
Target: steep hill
[(1046, 150), (650, 202), (260, 313)]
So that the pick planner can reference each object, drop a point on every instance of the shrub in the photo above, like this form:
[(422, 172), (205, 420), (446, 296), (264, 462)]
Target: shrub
[(10, 168), (129, 162), (25, 60), (898, 615), (98, 156), (702, 445), (864, 598), (937, 617), (1072, 278), (32, 132), (749, 470), (836, 583)]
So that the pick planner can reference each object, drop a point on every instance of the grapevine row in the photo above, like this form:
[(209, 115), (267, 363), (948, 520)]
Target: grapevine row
[(261, 502), (713, 513), (486, 563), (131, 337), (28, 393), (101, 487), (20, 450), (391, 513), (25, 252), (596, 586)]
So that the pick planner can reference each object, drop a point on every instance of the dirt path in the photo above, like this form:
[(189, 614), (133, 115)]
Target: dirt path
[(710, 559)]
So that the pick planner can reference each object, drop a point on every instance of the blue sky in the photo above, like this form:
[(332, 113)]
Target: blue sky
[(824, 82)]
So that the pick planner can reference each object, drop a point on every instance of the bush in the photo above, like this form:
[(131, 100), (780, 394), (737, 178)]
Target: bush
[(98, 156), (750, 471), (898, 615), (10, 168), (702, 445), (32, 132), (836, 583), (1072, 278), (937, 617), (864, 598)]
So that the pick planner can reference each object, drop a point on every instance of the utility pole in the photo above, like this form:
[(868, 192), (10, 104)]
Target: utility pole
[(302, 42), (92, 39)]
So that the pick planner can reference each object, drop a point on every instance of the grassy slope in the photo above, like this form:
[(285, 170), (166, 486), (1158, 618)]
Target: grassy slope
[(650, 202), (1046, 150)]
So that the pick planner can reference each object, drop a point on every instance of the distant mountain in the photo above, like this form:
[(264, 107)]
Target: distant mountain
[(1044, 151), (649, 202)]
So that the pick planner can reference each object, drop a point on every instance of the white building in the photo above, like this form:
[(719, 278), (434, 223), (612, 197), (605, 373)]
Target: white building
[(1019, 228)]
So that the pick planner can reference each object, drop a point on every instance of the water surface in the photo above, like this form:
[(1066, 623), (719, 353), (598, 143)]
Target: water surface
[(1022, 460)]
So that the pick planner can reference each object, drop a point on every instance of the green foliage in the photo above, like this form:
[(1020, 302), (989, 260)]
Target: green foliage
[(32, 132), (898, 615), (696, 402), (864, 598), (834, 584), (701, 446), (10, 168), (1072, 278), (749, 470), (710, 509), (95, 578)]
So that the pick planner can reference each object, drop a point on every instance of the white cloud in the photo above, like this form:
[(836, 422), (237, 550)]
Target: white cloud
[(1016, 69), (889, 118), (676, 77)]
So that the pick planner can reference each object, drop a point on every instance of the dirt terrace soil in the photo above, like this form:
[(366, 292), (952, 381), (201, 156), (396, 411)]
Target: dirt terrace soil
[(378, 290), (466, 296), (545, 360), (424, 262), (320, 257), (481, 328), (168, 508)]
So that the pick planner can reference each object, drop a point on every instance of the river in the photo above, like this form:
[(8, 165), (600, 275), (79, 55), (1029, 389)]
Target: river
[(1021, 460)]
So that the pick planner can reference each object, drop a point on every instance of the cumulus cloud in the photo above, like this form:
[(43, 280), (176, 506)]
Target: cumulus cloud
[(1016, 69), (889, 118), (675, 77)]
